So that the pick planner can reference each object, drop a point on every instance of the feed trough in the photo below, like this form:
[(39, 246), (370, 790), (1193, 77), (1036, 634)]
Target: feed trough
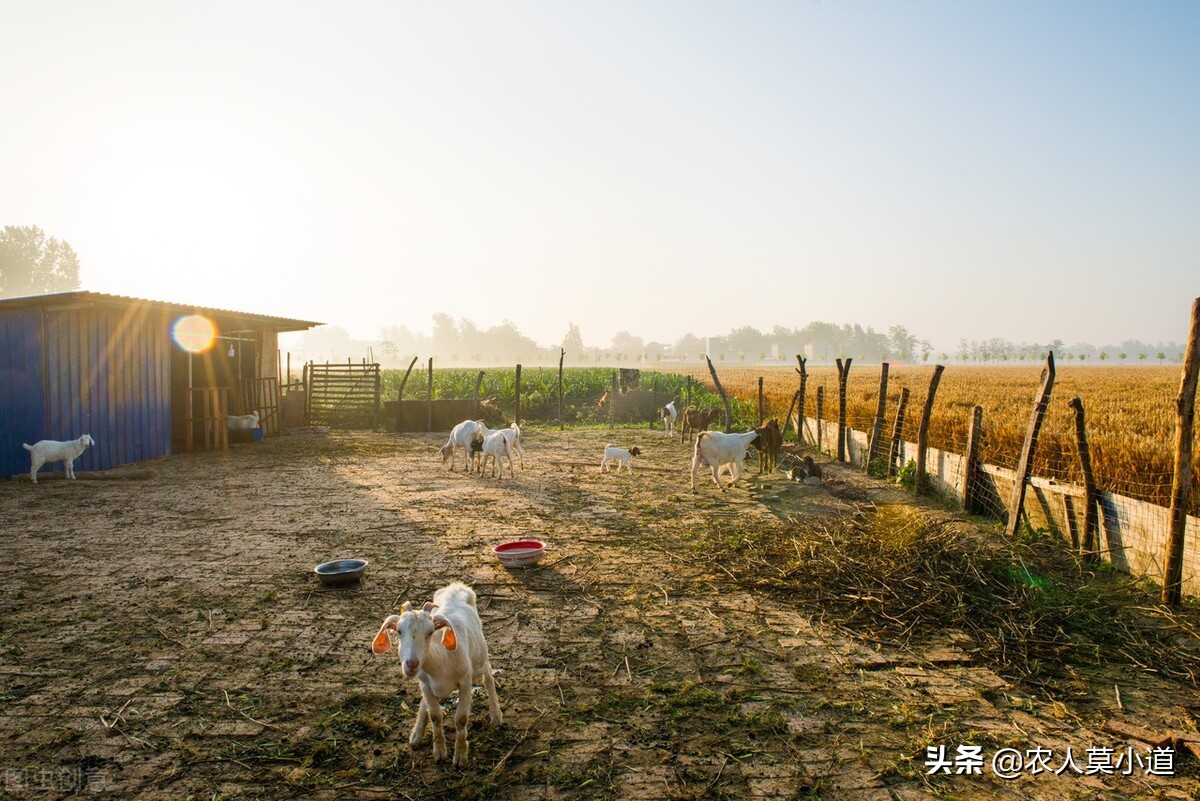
[(341, 572), (520, 553)]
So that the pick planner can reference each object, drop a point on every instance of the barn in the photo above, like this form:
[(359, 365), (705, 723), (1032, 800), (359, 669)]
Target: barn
[(78, 363)]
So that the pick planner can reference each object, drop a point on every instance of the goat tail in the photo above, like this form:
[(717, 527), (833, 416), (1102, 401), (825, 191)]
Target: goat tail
[(27, 447)]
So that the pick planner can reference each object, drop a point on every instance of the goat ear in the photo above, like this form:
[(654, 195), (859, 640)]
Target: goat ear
[(449, 641), (382, 642)]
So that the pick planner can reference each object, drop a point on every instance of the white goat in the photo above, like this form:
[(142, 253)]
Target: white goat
[(513, 435), (443, 664), (496, 447), (460, 437), (619, 455), (669, 413), (49, 450), (242, 422), (716, 449)]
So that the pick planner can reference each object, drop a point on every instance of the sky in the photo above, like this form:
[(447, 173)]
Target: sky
[(1025, 170)]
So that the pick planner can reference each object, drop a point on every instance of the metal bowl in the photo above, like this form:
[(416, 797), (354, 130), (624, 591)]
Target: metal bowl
[(521, 553), (341, 572)]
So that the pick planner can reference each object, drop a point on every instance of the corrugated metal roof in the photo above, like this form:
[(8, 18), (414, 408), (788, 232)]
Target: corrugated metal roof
[(59, 298)]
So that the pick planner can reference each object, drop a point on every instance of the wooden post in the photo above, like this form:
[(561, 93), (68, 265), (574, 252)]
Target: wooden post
[(653, 400), (800, 399), (378, 399), (799, 420), (517, 413), (562, 354), (724, 398), (429, 416), (1181, 484), (612, 400), (688, 402), (971, 468), (1091, 520), (307, 388), (897, 433), (923, 431), (762, 412), (475, 398), (1025, 465), (877, 428), (289, 367), (400, 396), (820, 416), (843, 379)]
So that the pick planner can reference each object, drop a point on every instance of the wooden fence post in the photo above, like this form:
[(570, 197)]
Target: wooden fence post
[(562, 354), (688, 402), (788, 419), (877, 427), (517, 413), (923, 431), (1091, 520), (1181, 484), (897, 433), (475, 401), (1025, 465), (724, 398), (378, 399), (762, 415), (800, 400), (612, 400), (971, 468), (820, 416), (843, 379), (429, 415), (653, 400)]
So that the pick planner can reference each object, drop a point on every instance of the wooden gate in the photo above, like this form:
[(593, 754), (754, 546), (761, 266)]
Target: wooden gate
[(343, 395)]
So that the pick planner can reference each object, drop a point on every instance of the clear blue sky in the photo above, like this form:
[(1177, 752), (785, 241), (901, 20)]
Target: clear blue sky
[(1027, 170)]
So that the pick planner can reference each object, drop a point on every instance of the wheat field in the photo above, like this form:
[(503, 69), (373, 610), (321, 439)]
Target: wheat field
[(1130, 414)]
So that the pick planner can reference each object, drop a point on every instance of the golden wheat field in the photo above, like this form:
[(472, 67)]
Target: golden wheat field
[(1130, 414)]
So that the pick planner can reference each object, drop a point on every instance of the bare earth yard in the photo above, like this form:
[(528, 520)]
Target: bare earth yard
[(164, 639)]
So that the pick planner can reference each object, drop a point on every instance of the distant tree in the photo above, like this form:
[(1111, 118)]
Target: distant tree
[(572, 342), (1160, 356), (1103, 355), (31, 264), (1142, 356), (1122, 355)]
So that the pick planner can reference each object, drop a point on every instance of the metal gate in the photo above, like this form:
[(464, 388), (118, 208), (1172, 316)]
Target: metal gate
[(342, 395)]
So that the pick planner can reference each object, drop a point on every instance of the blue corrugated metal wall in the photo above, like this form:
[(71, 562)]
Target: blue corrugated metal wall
[(106, 373), (21, 403)]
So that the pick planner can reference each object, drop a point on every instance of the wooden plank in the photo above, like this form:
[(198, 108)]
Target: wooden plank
[(971, 469), (803, 371), (1091, 518), (843, 380), (897, 433)]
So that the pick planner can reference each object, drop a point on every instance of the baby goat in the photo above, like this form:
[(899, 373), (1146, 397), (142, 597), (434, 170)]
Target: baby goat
[(620, 456), (444, 663), (49, 450), (668, 414), (495, 447)]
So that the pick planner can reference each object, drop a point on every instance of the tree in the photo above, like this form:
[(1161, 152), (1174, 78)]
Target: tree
[(31, 264), (572, 343)]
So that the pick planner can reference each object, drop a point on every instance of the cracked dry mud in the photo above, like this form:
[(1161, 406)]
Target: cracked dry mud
[(164, 639)]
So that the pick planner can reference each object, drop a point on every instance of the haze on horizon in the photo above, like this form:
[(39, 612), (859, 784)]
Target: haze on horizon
[(967, 170)]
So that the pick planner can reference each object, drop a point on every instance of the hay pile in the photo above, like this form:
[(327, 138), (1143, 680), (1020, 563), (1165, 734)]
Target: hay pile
[(894, 576)]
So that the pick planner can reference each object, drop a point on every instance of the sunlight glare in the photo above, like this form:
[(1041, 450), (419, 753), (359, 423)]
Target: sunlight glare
[(194, 333)]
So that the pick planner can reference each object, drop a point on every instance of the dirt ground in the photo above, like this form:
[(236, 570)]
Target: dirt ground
[(164, 638)]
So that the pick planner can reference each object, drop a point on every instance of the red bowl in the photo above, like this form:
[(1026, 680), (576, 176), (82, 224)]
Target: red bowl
[(520, 553)]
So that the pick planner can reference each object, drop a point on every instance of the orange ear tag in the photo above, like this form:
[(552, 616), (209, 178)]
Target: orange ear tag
[(381, 643), (449, 641)]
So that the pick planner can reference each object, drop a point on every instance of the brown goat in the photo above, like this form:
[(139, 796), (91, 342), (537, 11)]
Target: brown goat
[(696, 420), (768, 443)]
